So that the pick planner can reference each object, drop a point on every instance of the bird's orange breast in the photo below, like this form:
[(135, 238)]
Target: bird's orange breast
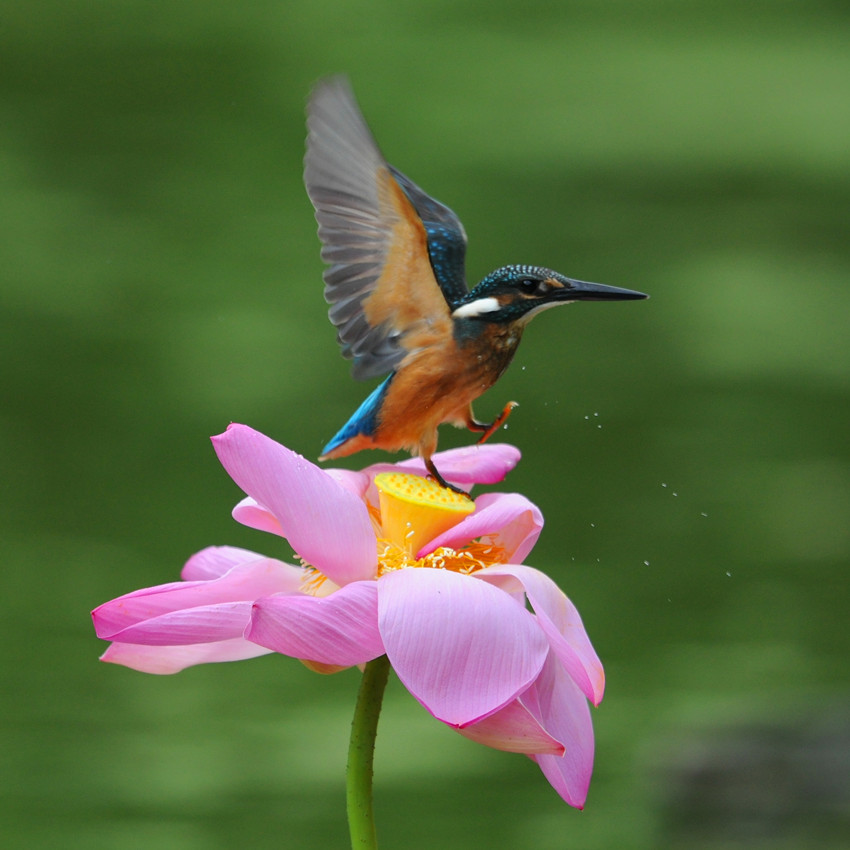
[(436, 384)]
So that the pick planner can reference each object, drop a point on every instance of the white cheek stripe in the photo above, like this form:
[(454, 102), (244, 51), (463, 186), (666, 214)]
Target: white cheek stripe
[(477, 308)]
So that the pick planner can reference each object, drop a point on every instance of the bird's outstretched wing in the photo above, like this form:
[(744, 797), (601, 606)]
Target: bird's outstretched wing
[(396, 255)]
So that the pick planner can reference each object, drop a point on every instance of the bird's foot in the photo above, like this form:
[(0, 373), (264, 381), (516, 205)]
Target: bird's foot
[(497, 423), (433, 473)]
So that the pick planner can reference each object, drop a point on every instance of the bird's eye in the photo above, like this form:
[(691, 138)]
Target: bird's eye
[(529, 286)]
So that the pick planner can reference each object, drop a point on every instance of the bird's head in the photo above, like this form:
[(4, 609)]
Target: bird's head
[(517, 293)]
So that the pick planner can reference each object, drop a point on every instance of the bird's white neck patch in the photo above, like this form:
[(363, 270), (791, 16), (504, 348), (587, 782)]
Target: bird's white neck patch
[(477, 308)]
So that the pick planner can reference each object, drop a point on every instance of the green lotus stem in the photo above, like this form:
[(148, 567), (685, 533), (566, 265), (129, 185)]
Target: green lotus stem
[(361, 751)]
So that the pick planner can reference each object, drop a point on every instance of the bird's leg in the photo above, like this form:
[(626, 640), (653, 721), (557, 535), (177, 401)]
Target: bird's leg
[(489, 429), (432, 469)]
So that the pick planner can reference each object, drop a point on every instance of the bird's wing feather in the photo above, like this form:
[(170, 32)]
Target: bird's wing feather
[(446, 240), (391, 275)]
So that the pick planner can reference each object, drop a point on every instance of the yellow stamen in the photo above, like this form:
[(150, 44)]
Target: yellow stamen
[(316, 583), (415, 510), (472, 557)]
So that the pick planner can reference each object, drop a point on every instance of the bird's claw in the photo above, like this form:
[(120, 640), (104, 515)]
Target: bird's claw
[(433, 473), (497, 422)]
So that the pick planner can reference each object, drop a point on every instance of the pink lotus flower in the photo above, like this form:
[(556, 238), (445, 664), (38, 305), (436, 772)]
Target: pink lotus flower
[(420, 576)]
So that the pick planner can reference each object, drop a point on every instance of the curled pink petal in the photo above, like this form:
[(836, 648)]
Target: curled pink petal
[(340, 629), (462, 652), (243, 583), (172, 659), (563, 711), (326, 524), (487, 464), (513, 729), (214, 561), (199, 624), (562, 624), (511, 520), (254, 515)]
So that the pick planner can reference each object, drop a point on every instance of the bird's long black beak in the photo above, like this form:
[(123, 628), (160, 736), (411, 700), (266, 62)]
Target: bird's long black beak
[(581, 290)]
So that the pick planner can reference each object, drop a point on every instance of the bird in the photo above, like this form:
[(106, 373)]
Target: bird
[(396, 285)]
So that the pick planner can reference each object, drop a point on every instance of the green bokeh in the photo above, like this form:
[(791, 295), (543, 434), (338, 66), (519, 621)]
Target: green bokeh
[(160, 278)]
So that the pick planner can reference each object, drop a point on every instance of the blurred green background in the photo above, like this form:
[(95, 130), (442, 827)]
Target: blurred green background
[(161, 278)]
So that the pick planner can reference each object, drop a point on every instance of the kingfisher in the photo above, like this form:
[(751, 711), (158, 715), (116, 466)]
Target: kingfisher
[(398, 295)]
